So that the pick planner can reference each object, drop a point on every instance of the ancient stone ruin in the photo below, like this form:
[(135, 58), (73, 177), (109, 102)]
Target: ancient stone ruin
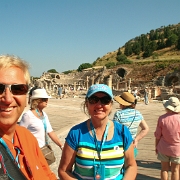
[(119, 79)]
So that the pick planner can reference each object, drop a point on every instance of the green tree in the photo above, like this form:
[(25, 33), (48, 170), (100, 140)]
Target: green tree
[(167, 32), (153, 45), (161, 36), (127, 61), (178, 43), (122, 59), (156, 35), (84, 66), (128, 49), (119, 51), (151, 35), (52, 71), (144, 42), (161, 44), (178, 31), (172, 40), (67, 72), (148, 52), (136, 48), (110, 65)]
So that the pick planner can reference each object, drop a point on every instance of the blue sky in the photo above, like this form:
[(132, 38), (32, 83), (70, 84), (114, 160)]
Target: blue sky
[(63, 34)]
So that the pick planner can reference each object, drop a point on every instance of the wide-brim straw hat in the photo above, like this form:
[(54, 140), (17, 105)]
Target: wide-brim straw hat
[(172, 104), (126, 99), (39, 93)]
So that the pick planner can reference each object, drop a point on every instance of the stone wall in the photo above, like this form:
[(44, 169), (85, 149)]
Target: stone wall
[(118, 79)]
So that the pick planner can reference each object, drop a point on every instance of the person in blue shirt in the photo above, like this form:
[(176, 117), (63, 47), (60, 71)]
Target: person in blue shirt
[(146, 96), (98, 148), (60, 92), (130, 117)]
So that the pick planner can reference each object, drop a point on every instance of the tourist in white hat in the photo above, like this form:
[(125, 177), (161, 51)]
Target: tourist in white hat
[(37, 121), (167, 136)]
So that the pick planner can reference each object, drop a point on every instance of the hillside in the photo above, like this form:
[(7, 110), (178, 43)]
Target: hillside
[(164, 54), (157, 63), (158, 56), (160, 44)]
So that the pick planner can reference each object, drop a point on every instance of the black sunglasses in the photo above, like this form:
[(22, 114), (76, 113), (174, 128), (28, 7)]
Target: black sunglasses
[(16, 89), (104, 100), (44, 99)]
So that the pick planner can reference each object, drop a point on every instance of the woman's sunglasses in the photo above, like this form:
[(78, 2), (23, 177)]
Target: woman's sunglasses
[(44, 99), (16, 89), (104, 100)]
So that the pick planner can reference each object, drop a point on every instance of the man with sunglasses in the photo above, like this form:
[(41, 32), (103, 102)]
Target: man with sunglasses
[(98, 148), (17, 142)]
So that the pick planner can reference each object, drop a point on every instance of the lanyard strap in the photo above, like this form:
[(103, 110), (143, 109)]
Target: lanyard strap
[(43, 119), (99, 148), (131, 121), (9, 152), (44, 123)]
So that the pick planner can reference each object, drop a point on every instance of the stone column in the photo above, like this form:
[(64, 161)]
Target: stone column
[(125, 86), (45, 85), (150, 95), (53, 88), (109, 81), (92, 80), (117, 85), (84, 84), (129, 83), (87, 81), (50, 87), (74, 86)]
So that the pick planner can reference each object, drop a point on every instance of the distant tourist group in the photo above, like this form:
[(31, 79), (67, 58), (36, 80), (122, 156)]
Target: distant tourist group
[(98, 148)]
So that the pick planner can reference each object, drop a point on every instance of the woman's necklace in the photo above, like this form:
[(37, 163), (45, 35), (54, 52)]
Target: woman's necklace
[(40, 116)]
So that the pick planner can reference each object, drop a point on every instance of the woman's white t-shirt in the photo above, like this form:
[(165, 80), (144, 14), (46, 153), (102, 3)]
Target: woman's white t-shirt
[(36, 126)]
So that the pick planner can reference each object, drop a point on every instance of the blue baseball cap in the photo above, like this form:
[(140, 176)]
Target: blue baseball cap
[(99, 88)]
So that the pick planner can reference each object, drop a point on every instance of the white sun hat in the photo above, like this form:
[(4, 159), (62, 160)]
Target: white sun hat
[(39, 93), (172, 104)]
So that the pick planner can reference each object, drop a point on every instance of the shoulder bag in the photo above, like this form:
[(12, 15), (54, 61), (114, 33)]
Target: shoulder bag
[(47, 149), (48, 154)]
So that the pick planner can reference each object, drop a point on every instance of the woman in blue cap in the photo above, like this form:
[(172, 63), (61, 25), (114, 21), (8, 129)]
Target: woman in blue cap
[(98, 148)]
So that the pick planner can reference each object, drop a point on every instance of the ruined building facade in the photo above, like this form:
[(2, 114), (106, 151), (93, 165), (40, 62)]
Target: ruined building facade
[(119, 79)]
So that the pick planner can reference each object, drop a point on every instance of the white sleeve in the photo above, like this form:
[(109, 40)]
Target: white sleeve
[(25, 120), (49, 127)]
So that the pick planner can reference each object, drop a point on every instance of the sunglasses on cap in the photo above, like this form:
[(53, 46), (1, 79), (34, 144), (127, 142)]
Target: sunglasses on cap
[(16, 89), (44, 99), (105, 100)]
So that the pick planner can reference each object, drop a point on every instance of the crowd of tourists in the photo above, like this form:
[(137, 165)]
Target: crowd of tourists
[(98, 148)]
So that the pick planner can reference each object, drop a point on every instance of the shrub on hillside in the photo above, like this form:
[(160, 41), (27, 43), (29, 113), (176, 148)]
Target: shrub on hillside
[(84, 66), (110, 65)]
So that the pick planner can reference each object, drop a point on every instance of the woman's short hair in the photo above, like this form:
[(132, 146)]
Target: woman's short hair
[(34, 103)]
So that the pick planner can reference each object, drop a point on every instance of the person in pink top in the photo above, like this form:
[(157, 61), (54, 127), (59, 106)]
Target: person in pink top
[(167, 136)]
